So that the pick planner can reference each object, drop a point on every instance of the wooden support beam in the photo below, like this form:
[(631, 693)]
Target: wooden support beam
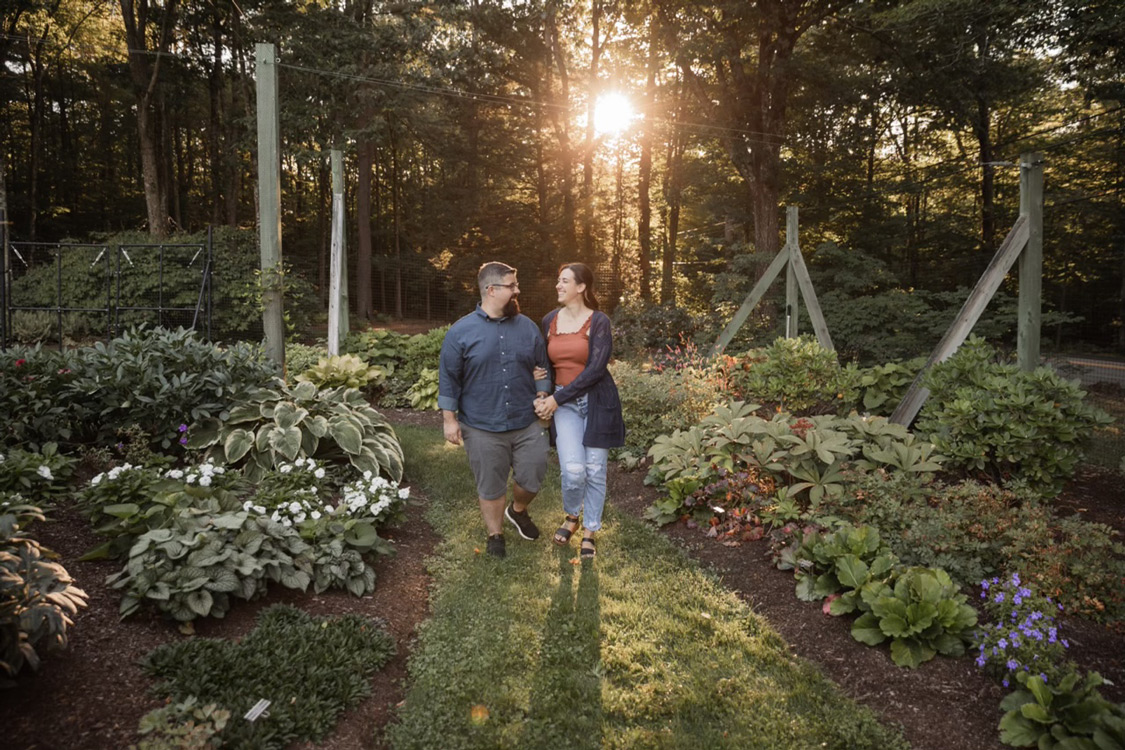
[(963, 324), (792, 300), (752, 299), (336, 259)]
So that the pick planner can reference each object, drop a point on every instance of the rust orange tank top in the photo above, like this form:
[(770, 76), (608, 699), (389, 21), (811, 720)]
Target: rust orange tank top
[(568, 351)]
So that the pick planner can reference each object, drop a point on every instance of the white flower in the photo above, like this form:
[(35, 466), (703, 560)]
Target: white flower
[(260, 509), (190, 478), (319, 473), (367, 474), (294, 507), (205, 480), (404, 493), (285, 468), (44, 471), (175, 474), (97, 480), (315, 515)]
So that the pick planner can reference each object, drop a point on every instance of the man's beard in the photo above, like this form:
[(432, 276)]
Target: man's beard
[(512, 309)]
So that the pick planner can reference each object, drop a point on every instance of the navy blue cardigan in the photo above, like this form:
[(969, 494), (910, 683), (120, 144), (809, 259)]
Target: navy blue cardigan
[(605, 427)]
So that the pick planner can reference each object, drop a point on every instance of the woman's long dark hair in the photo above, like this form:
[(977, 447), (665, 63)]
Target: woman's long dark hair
[(583, 275)]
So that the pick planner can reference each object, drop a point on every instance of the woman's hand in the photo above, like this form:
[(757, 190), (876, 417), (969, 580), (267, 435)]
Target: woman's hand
[(540, 373), (545, 408)]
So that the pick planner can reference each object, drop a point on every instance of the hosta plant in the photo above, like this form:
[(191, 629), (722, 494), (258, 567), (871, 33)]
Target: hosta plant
[(37, 597), (275, 426), (345, 370), (424, 393), (182, 725)]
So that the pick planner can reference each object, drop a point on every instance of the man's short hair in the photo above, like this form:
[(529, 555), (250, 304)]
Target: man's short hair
[(492, 273)]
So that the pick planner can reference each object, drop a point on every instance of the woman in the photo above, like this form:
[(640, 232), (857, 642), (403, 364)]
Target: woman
[(585, 405)]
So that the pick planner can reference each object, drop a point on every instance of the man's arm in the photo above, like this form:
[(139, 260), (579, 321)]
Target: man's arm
[(449, 388)]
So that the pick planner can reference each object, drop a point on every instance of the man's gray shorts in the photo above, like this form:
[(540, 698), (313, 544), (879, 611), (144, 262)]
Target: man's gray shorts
[(492, 455)]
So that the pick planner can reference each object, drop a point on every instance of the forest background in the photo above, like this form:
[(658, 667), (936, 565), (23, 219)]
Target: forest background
[(471, 132)]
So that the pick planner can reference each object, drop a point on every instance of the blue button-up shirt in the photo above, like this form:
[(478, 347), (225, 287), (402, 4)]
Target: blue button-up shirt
[(486, 371)]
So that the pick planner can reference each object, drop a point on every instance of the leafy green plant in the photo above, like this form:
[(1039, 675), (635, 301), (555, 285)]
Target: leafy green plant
[(794, 375), (347, 370), (40, 476), (183, 725), (882, 387), (37, 597), (849, 558), (423, 394), (161, 380), (311, 669), (922, 613), (808, 456), (300, 357), (33, 387), (274, 426), (1068, 714), (991, 418)]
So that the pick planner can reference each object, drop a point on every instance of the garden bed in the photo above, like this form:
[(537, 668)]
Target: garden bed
[(93, 694)]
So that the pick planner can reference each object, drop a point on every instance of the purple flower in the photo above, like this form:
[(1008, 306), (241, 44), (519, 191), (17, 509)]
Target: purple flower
[(183, 440), (182, 428), (1043, 677), (1013, 664)]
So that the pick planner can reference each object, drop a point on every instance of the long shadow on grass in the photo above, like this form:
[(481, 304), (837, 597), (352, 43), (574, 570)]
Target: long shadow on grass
[(569, 673)]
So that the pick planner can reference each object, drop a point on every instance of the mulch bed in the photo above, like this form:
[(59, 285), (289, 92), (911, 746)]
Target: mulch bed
[(93, 694)]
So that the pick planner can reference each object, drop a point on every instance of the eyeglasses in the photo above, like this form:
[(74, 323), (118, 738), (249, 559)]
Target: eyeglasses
[(510, 287)]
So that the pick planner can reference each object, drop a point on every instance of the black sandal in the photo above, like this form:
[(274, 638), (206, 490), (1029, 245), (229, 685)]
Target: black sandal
[(563, 535), (588, 553)]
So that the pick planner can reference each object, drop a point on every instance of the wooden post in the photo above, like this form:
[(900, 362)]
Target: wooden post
[(335, 263), (269, 201), (1031, 262), (792, 300), (756, 293)]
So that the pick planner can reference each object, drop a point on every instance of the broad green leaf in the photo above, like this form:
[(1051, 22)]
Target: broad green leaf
[(866, 630), (851, 571), (346, 434), (237, 444), (908, 652)]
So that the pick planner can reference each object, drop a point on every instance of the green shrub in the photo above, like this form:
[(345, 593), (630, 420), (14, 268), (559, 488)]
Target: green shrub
[(237, 313), (994, 419), (345, 370), (403, 357), (34, 398), (273, 426), (976, 531), (882, 387), (655, 404), (37, 597), (311, 669), (805, 458), (1068, 714), (797, 376), (39, 476), (640, 327)]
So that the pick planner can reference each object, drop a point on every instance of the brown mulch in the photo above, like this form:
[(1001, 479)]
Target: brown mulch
[(93, 694)]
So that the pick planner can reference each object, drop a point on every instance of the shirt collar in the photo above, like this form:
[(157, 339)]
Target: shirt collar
[(480, 311)]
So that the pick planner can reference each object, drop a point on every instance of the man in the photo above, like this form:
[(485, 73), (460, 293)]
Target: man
[(486, 391)]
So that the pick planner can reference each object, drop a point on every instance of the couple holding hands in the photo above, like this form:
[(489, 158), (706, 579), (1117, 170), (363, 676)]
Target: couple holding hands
[(502, 378)]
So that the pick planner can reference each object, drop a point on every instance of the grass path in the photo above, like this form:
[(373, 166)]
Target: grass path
[(640, 649)]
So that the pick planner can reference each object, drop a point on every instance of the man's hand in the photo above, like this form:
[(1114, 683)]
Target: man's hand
[(451, 427)]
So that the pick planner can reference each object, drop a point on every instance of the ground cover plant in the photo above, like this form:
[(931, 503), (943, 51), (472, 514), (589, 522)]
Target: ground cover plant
[(310, 669), (564, 655)]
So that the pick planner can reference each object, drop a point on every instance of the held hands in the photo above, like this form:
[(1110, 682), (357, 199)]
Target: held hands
[(545, 407)]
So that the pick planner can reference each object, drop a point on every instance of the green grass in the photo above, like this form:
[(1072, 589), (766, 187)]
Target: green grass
[(640, 649)]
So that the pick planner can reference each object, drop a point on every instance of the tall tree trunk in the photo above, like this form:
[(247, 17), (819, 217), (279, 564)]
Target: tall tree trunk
[(145, 73), (593, 88), (673, 197), (983, 131), (644, 172), (363, 219), (396, 179), (561, 126)]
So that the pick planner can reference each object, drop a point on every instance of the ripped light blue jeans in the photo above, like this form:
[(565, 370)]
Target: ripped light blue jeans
[(583, 469)]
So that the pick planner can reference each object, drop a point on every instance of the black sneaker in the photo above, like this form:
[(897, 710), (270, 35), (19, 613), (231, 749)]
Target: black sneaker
[(523, 523), (496, 545)]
